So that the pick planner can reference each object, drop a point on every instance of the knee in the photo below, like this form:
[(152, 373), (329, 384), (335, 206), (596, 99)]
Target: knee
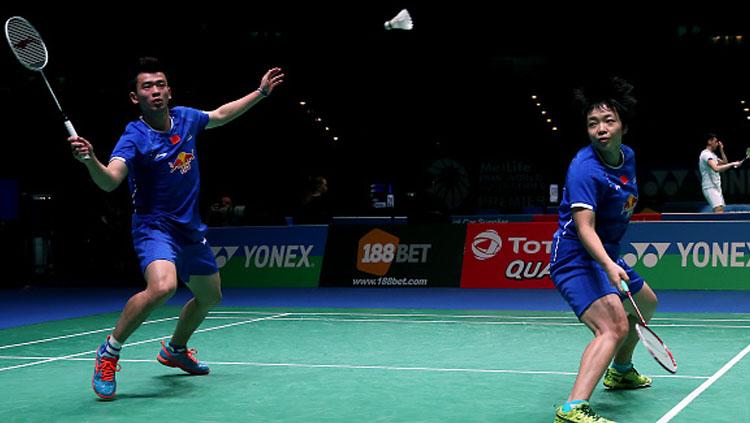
[(648, 302), (211, 299), (622, 329), (654, 302), (615, 331), (215, 299), (162, 290)]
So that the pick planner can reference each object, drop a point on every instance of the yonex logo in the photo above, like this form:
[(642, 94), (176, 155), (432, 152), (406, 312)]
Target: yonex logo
[(486, 245), (699, 254), (664, 181), (22, 44), (649, 259), (223, 254), (261, 256)]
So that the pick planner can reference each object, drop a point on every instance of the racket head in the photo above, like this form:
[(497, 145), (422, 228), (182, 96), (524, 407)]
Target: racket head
[(656, 348), (26, 43)]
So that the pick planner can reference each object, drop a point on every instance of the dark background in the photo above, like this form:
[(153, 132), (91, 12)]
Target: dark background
[(458, 87)]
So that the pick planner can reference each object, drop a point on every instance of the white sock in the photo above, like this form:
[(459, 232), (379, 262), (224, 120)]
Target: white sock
[(113, 346)]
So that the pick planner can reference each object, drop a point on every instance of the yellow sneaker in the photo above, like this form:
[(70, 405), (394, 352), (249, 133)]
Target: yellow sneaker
[(581, 413), (628, 380)]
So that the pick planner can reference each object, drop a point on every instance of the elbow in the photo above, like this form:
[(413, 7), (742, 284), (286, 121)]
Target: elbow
[(109, 186), (221, 120)]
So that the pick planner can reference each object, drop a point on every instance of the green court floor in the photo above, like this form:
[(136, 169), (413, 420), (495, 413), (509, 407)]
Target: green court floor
[(347, 365)]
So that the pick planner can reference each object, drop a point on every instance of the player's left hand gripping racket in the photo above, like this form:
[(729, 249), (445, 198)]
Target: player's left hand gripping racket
[(650, 340), (29, 48)]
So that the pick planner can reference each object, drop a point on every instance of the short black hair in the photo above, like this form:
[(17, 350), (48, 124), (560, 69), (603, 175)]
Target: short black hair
[(145, 64), (613, 92), (709, 135)]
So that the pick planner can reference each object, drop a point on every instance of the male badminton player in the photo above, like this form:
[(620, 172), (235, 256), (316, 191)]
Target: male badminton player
[(710, 166), (598, 200), (158, 155)]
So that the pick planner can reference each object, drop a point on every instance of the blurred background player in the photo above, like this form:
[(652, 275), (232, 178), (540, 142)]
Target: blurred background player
[(711, 165)]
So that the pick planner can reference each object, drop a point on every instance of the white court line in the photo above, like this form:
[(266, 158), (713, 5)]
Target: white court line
[(665, 325), (407, 321), (48, 360), (357, 366), (474, 316), (699, 390), (40, 341), (459, 316), (680, 319)]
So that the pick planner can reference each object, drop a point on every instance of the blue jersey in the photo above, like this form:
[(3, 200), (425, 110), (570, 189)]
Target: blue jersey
[(163, 169), (609, 191)]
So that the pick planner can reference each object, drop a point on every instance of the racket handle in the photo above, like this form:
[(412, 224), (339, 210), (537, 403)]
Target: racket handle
[(72, 132), (69, 126), (624, 286)]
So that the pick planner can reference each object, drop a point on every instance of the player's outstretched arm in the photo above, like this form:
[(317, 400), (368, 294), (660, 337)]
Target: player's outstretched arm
[(232, 110), (723, 167)]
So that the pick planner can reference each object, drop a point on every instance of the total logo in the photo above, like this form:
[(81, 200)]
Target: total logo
[(378, 249), (648, 259), (486, 245), (526, 263)]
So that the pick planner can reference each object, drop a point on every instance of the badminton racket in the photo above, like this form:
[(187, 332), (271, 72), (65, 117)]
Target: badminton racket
[(655, 346), (740, 162), (29, 48)]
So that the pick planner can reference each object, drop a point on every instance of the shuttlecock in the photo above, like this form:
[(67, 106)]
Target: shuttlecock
[(400, 21)]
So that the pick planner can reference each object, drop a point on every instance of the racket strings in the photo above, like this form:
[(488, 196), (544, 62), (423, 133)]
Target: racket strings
[(657, 348), (26, 43)]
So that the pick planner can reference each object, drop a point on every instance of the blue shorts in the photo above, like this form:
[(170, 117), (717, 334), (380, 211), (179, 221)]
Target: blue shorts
[(157, 241), (581, 280)]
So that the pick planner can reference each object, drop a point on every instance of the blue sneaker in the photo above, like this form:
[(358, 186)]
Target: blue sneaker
[(183, 360), (103, 382)]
